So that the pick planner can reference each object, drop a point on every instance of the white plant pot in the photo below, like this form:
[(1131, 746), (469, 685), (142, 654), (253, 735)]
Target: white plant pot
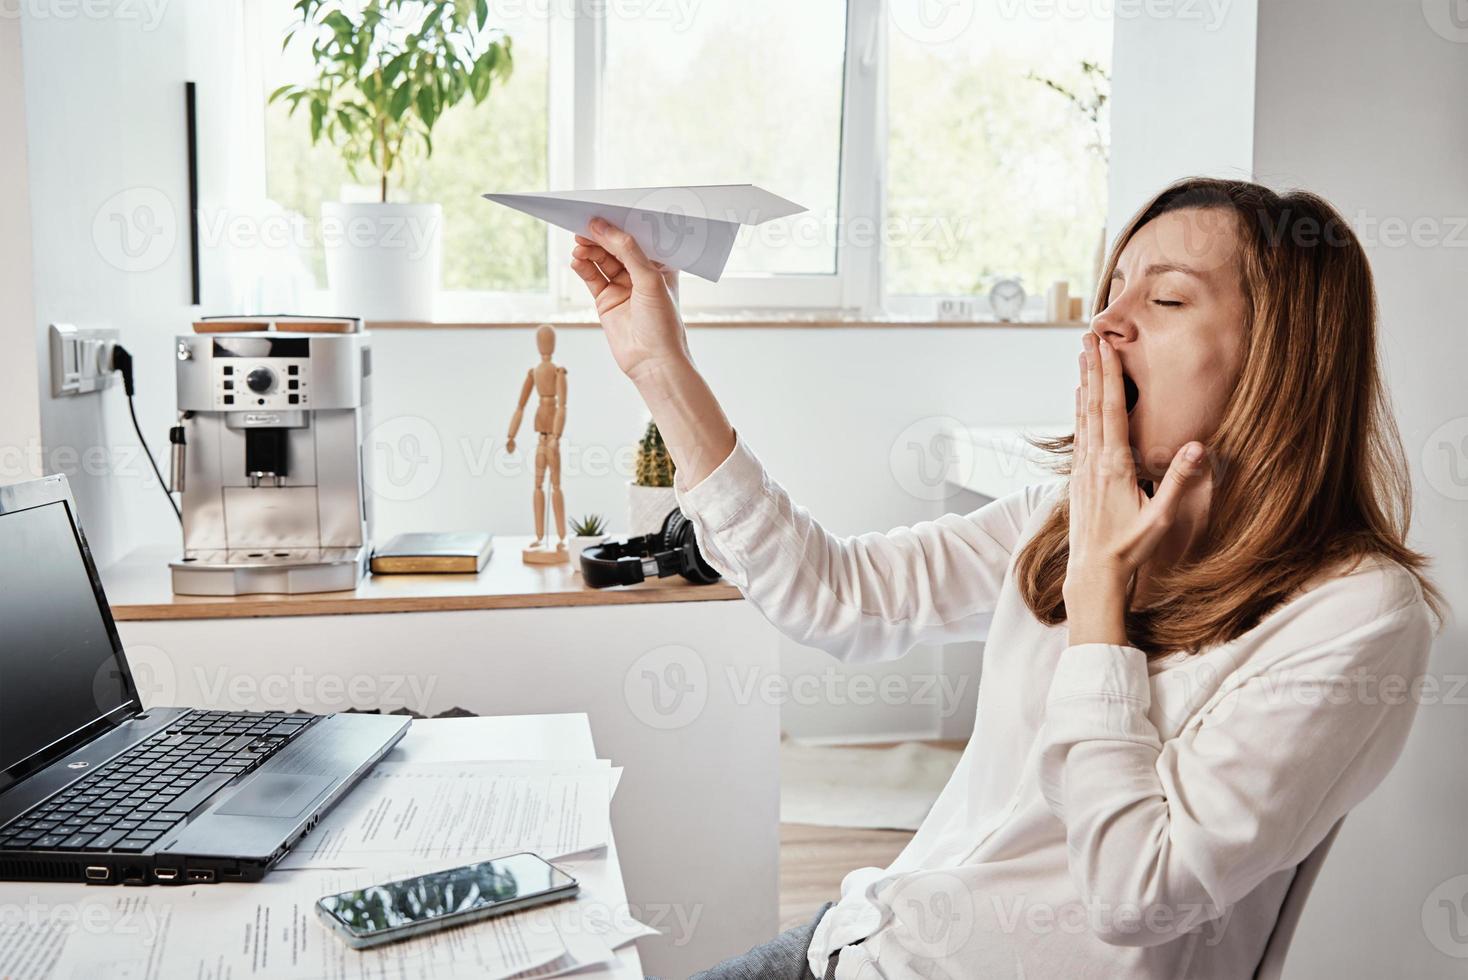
[(648, 507), (383, 261), (578, 543)]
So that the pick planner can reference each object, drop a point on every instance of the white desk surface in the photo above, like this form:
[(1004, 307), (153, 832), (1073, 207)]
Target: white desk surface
[(521, 737), (518, 737)]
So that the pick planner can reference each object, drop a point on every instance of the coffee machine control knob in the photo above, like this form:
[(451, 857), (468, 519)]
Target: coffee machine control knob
[(260, 380)]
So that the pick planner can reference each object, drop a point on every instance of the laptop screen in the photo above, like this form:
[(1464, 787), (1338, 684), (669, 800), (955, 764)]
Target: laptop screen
[(58, 670)]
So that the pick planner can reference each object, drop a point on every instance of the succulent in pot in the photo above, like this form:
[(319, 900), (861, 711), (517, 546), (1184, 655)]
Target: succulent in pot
[(585, 532)]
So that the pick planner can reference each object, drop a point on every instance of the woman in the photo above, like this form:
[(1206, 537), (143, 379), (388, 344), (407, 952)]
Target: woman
[(1200, 639)]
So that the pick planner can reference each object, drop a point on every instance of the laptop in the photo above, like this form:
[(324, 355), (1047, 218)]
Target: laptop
[(95, 788)]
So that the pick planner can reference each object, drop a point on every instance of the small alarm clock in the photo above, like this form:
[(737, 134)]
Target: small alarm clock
[(1007, 300)]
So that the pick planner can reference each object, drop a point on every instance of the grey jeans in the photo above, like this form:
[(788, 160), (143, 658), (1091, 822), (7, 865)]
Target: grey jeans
[(782, 958)]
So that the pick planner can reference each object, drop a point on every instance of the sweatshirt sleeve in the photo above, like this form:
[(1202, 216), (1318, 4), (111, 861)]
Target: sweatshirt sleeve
[(867, 597), (1162, 837)]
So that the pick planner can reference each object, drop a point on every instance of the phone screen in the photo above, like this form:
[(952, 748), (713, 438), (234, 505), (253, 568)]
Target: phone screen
[(396, 904)]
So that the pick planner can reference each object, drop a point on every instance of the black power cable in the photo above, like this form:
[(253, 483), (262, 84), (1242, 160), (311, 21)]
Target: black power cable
[(122, 362)]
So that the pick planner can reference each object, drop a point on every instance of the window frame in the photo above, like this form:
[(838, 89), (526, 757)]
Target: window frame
[(854, 285), (576, 45)]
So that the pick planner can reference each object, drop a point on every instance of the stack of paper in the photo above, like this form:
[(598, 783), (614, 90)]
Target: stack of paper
[(407, 817), (453, 813)]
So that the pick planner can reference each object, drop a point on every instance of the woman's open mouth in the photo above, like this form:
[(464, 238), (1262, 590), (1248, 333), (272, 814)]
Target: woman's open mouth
[(1132, 394)]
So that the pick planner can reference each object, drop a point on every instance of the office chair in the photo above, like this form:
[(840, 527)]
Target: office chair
[(1271, 964)]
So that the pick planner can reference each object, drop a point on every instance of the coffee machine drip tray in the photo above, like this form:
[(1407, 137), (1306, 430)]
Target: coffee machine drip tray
[(282, 571)]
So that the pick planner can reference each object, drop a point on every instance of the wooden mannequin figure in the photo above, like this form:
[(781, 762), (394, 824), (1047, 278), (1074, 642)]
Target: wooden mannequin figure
[(549, 381)]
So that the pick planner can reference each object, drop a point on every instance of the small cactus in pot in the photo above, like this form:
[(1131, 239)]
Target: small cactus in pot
[(650, 495), (654, 464)]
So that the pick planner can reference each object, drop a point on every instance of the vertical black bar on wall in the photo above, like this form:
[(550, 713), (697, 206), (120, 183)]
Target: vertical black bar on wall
[(190, 109)]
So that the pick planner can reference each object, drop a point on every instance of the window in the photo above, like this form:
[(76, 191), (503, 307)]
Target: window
[(992, 173), (726, 99), (927, 159), (499, 144)]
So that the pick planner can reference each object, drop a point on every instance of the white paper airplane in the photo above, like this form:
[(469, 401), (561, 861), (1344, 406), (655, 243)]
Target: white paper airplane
[(690, 228)]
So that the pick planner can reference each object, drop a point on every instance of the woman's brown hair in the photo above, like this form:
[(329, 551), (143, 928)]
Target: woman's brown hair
[(1309, 474)]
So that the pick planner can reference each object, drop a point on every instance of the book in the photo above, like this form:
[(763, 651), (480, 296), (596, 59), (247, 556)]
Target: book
[(434, 551)]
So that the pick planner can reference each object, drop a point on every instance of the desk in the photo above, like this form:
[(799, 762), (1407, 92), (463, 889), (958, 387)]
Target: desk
[(529, 737), (558, 737), (680, 685)]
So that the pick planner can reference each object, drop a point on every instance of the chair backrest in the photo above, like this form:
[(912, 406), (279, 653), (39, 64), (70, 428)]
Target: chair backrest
[(1271, 964)]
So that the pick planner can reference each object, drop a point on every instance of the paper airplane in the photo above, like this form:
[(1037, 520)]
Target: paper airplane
[(690, 228)]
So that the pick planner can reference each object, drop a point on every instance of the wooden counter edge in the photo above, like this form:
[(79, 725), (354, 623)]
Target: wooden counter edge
[(251, 607)]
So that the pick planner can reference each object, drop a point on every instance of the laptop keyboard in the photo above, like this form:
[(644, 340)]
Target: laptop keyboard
[(146, 791)]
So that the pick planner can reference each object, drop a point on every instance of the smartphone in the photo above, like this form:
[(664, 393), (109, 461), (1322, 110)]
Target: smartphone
[(411, 907)]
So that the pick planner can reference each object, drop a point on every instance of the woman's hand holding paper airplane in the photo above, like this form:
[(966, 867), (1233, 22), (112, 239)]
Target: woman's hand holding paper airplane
[(637, 303), (636, 298)]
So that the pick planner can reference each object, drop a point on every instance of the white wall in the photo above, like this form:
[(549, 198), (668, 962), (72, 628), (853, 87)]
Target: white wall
[(105, 139), (822, 408), (20, 415), (1182, 99), (1362, 102)]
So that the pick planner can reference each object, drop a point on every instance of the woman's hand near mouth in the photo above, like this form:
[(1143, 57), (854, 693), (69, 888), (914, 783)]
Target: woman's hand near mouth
[(637, 303), (1114, 526)]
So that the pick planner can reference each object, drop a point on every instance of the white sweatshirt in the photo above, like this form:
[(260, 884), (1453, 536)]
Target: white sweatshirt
[(1109, 817)]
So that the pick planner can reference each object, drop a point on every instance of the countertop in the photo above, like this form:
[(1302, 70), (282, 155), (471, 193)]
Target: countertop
[(139, 587)]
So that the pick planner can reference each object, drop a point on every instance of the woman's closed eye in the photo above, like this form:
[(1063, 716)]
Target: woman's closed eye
[(1168, 302)]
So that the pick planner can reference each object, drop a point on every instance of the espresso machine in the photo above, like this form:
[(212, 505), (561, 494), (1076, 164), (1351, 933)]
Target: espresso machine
[(268, 458)]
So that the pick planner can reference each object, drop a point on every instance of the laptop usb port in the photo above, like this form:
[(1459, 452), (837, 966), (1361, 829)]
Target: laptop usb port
[(200, 874), (165, 874), (95, 872)]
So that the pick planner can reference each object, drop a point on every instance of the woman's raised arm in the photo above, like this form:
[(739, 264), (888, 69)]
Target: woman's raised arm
[(867, 597), (637, 303)]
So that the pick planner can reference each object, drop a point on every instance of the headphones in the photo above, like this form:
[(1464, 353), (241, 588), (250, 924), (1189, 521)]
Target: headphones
[(673, 550)]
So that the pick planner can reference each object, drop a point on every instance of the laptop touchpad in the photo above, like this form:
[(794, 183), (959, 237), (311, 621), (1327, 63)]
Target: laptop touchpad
[(276, 795)]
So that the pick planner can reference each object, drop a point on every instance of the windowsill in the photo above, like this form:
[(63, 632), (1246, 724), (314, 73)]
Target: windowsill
[(763, 319)]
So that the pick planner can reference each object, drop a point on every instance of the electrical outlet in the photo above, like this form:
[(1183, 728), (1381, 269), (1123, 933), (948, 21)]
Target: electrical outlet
[(81, 359)]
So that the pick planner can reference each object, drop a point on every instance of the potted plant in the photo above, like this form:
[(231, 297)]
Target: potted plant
[(585, 532), (387, 72), (650, 494)]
